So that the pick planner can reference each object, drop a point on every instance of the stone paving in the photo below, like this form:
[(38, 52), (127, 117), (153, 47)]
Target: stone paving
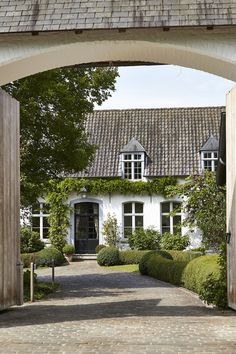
[(102, 311)]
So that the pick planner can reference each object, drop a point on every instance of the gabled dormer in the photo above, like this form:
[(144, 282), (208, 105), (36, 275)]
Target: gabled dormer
[(209, 154), (132, 158)]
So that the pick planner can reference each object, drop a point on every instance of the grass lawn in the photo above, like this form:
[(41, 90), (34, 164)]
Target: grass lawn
[(133, 268)]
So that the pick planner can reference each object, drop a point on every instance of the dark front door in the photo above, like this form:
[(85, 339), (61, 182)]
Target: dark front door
[(86, 227)]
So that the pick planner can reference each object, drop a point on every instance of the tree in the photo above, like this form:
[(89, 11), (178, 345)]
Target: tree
[(53, 108), (205, 207)]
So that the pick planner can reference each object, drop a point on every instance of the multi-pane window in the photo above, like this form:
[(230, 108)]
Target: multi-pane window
[(170, 217), (209, 160), (132, 217), (133, 165), (40, 224)]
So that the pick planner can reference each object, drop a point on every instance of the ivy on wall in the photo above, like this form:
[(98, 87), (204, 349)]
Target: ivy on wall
[(58, 194)]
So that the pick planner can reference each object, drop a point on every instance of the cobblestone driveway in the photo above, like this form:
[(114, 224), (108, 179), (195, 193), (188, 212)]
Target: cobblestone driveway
[(102, 311)]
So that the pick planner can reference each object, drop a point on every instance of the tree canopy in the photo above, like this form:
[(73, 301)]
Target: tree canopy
[(53, 108), (204, 207)]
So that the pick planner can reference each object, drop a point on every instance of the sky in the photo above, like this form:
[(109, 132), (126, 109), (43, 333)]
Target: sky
[(166, 86)]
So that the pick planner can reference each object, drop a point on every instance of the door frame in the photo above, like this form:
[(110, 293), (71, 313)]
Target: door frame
[(71, 237)]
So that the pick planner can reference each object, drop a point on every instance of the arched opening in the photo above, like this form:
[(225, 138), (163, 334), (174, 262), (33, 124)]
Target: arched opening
[(58, 52), (192, 48)]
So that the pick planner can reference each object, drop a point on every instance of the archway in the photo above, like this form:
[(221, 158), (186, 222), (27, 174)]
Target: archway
[(213, 52)]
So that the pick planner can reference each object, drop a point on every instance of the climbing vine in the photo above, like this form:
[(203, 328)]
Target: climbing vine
[(58, 193)]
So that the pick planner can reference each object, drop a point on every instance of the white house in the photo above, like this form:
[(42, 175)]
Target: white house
[(138, 145)]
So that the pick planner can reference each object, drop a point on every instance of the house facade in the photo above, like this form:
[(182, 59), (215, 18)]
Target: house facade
[(138, 145)]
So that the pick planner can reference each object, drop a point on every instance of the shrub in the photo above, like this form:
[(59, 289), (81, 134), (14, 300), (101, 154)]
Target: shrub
[(148, 239), (40, 288), (45, 256), (204, 276), (143, 262), (30, 241), (198, 270), (99, 248), (108, 256), (68, 249), (165, 269), (131, 256), (110, 230), (184, 256), (27, 258), (174, 241)]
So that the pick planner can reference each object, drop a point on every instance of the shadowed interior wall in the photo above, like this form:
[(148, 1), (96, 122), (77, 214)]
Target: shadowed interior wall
[(10, 268), (231, 193)]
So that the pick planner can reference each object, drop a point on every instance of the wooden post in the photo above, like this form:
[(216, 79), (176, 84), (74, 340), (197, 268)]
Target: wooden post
[(53, 272), (11, 281), (32, 282)]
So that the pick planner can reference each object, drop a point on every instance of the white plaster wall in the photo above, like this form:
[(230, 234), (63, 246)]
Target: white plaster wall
[(113, 204)]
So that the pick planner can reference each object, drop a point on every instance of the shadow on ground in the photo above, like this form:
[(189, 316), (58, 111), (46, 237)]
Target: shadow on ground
[(43, 314)]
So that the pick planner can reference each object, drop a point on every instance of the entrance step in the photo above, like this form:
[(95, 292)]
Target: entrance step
[(83, 257)]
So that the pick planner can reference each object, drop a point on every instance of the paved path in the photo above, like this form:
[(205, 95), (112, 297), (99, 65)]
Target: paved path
[(102, 311)]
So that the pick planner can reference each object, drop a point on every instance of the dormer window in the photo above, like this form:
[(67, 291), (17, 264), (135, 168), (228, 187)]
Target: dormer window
[(209, 160), (133, 166), (209, 154), (133, 160)]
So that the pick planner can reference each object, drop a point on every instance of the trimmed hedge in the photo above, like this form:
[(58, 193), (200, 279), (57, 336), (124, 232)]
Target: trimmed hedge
[(197, 271), (184, 256), (143, 262), (164, 269), (108, 256), (45, 256), (201, 275), (131, 256)]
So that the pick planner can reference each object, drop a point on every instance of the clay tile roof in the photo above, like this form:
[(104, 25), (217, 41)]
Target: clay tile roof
[(171, 138)]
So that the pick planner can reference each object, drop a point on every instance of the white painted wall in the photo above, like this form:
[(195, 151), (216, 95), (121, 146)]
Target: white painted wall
[(113, 204)]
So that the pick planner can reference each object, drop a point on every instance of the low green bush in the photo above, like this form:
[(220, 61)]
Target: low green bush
[(45, 257), (108, 256), (198, 270), (143, 262), (131, 256), (41, 289), (99, 248), (148, 239), (184, 255), (30, 241), (174, 241), (27, 258), (165, 269), (205, 275), (68, 249)]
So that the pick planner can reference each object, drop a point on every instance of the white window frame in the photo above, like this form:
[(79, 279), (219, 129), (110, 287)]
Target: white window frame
[(41, 217), (211, 158), (132, 160), (133, 214), (171, 216)]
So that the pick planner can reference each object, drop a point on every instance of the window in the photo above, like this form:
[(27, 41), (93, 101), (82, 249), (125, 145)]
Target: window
[(209, 160), (133, 166), (132, 217), (40, 224), (170, 217)]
